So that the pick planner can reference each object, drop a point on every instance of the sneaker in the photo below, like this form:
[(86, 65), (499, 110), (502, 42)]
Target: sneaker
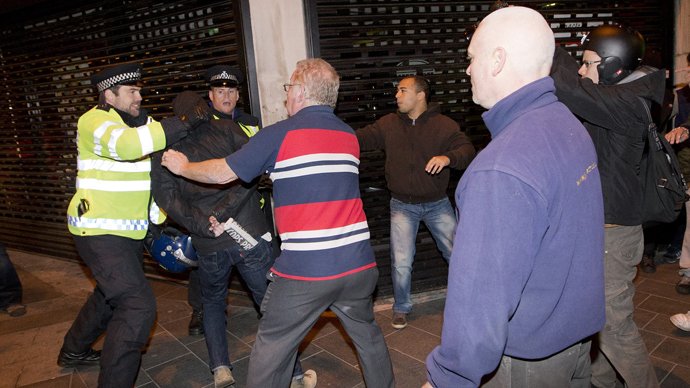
[(672, 256), (682, 321), (70, 360), (16, 310), (308, 381), (223, 377), (647, 264), (196, 324), (399, 320), (683, 286)]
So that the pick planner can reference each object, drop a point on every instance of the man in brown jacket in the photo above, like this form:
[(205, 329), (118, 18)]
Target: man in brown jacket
[(419, 143)]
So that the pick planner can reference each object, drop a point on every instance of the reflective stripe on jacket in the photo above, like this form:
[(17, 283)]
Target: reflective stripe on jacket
[(113, 178)]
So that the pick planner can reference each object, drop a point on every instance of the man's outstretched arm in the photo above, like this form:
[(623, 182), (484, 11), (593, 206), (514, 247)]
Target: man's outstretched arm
[(214, 171)]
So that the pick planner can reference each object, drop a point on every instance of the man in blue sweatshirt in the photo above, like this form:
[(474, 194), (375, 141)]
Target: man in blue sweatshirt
[(526, 284)]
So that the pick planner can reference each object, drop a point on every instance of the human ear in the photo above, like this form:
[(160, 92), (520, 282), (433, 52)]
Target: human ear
[(498, 60), (109, 96)]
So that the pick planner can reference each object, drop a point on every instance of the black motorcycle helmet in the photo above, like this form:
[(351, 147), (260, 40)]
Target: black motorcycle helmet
[(621, 50)]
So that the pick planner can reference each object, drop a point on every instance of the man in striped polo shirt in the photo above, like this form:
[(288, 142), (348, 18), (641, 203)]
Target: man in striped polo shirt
[(326, 260)]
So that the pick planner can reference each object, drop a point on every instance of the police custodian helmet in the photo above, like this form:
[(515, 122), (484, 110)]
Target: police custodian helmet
[(173, 250), (223, 76), (124, 74), (621, 50)]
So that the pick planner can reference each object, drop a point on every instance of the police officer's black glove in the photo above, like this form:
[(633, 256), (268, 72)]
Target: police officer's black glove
[(151, 235), (191, 109), (174, 129)]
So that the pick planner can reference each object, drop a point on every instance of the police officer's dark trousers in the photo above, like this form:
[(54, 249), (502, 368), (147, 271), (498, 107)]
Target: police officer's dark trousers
[(122, 305)]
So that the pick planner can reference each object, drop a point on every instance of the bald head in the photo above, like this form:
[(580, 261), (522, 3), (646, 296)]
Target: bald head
[(511, 48)]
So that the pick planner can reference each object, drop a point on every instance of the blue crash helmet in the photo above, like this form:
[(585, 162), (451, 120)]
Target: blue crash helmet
[(173, 250)]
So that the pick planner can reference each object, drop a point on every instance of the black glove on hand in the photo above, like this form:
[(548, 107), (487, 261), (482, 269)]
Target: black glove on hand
[(191, 109), (151, 235), (174, 129)]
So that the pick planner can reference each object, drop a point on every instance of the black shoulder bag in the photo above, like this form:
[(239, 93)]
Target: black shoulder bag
[(664, 184)]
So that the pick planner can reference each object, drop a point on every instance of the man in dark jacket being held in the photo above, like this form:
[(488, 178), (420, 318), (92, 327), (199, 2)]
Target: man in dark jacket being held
[(419, 142)]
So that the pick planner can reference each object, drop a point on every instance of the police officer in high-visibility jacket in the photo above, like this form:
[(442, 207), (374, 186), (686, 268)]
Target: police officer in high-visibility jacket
[(224, 82), (109, 216)]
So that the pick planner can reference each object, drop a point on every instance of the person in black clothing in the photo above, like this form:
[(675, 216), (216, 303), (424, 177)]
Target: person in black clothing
[(10, 287), (224, 82), (679, 136), (617, 122)]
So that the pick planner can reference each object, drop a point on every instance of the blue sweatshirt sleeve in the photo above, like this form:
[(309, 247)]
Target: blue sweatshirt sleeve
[(501, 221)]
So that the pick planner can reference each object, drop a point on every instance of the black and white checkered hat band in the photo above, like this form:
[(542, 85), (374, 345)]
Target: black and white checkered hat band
[(222, 76), (114, 80)]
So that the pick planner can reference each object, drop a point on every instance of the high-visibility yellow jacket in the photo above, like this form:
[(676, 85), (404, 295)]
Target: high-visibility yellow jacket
[(113, 178), (247, 122), (250, 130)]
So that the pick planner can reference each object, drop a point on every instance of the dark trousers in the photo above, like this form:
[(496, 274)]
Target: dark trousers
[(122, 305), (10, 286), (290, 309), (194, 290), (569, 368)]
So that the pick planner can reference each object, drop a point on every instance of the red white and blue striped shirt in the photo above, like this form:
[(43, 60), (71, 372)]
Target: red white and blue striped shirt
[(313, 160)]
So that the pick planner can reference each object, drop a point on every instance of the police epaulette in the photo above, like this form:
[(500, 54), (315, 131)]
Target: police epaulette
[(106, 107)]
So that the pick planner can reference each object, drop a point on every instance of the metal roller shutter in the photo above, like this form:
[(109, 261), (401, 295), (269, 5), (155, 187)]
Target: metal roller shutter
[(47, 54), (373, 44)]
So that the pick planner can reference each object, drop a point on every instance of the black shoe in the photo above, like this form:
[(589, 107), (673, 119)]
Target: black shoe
[(647, 264), (196, 324), (70, 360)]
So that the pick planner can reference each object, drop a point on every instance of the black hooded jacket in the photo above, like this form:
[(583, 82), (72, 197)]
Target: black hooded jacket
[(617, 122), (191, 203)]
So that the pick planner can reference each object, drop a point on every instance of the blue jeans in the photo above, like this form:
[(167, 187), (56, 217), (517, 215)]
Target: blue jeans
[(439, 218), (214, 270)]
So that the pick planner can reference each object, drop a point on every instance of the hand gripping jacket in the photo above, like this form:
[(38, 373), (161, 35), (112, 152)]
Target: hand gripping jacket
[(113, 178)]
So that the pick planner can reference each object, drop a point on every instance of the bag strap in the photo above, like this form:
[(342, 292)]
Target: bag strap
[(651, 128)]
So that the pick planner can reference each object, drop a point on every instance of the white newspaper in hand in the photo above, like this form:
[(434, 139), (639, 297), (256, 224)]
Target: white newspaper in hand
[(241, 236)]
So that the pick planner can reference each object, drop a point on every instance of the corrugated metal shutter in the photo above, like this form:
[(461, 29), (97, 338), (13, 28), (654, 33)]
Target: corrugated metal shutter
[(47, 53), (373, 43)]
